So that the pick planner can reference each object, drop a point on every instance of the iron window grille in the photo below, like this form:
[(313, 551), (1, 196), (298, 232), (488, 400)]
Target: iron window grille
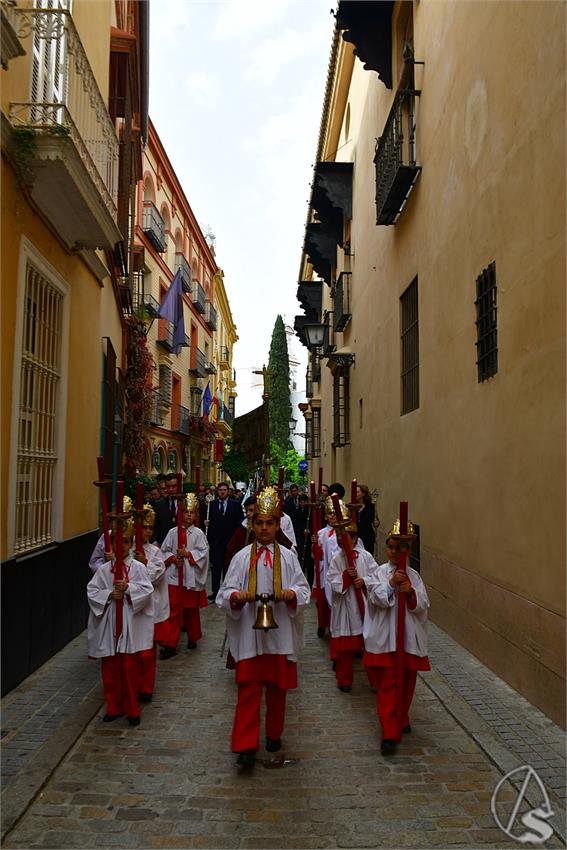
[(410, 348), (316, 433), (486, 324), (341, 405), (308, 439)]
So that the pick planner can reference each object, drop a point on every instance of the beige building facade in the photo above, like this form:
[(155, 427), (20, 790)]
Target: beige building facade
[(183, 434), (434, 266)]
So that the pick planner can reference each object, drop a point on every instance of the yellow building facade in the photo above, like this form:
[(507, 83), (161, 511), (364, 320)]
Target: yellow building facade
[(433, 273), (63, 259), (188, 424)]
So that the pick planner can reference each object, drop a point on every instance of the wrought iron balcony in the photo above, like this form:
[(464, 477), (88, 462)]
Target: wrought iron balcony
[(395, 159), (157, 415), (342, 314), (224, 360), (65, 133), (309, 383), (198, 296), (329, 334), (196, 394), (198, 363), (228, 416), (151, 305), (165, 335), (180, 419), (185, 269), (153, 226), (210, 316), (211, 368)]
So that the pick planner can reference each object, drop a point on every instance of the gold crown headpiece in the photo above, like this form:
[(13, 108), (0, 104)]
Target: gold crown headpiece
[(149, 514), (347, 518), (397, 535), (128, 527), (191, 502), (268, 503), (127, 502)]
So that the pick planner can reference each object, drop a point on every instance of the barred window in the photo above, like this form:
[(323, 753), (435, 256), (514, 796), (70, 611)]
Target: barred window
[(316, 433), (39, 381), (486, 326), (341, 405), (410, 348)]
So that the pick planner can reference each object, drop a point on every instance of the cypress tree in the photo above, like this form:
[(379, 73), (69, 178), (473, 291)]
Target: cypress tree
[(280, 399)]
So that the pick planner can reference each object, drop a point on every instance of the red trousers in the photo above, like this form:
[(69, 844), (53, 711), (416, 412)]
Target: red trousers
[(323, 611), (246, 727), (385, 680), (120, 682), (184, 611), (147, 670)]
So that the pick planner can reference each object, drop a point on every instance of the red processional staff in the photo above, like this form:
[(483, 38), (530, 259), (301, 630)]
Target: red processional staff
[(181, 536), (139, 518), (341, 525), (119, 568), (404, 539), (197, 489), (103, 483)]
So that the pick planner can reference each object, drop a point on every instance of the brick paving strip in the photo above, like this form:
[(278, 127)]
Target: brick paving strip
[(172, 782)]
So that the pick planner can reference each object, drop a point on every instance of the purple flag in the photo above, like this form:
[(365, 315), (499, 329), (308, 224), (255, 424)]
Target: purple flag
[(171, 308)]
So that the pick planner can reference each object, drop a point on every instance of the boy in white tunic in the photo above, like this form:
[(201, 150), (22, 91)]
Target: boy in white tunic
[(119, 657), (187, 563), (383, 587), (263, 658), (152, 558), (347, 618)]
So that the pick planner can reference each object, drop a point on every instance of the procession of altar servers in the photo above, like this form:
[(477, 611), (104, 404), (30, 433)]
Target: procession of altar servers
[(162, 590)]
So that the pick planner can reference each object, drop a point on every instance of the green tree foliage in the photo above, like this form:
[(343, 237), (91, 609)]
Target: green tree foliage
[(288, 459), (280, 400), (235, 465)]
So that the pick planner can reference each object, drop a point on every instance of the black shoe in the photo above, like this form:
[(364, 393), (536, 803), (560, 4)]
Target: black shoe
[(334, 665), (388, 747), (167, 652), (246, 759), (211, 597), (145, 697), (191, 644), (407, 729), (321, 631), (273, 744), (346, 689), (133, 721), (108, 718)]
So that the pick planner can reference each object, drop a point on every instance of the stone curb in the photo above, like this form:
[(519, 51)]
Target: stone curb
[(23, 788), (489, 743)]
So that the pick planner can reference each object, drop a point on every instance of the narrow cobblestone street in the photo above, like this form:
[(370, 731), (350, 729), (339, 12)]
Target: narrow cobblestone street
[(172, 782)]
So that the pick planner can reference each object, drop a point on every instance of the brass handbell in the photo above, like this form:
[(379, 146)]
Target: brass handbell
[(265, 616)]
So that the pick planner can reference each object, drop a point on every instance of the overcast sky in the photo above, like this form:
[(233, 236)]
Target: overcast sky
[(236, 94)]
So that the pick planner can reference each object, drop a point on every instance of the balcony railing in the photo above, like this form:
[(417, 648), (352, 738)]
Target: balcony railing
[(65, 98), (210, 316), (211, 368), (329, 334), (185, 269), (151, 305), (198, 363), (342, 314), (227, 416), (196, 394), (180, 419), (224, 357), (165, 334), (153, 226), (198, 296), (157, 413), (396, 168)]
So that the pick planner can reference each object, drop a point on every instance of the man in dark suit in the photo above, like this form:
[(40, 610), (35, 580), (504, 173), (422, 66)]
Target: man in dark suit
[(166, 510), (225, 516), (291, 507)]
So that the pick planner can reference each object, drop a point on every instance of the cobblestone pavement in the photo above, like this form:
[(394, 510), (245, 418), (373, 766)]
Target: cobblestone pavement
[(172, 782)]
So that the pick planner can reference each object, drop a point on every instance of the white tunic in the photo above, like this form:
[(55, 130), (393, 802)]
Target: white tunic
[(286, 526), (345, 613), (137, 614), (327, 538), (194, 577), (156, 573), (246, 642), (97, 558), (381, 614)]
